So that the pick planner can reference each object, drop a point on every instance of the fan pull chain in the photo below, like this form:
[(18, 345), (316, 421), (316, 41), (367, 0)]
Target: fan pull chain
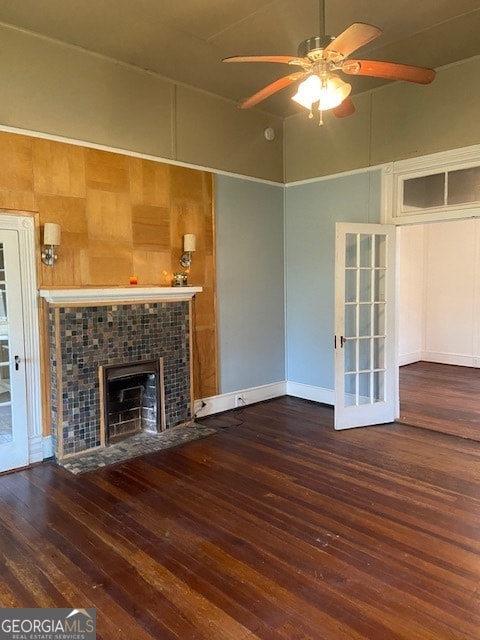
[(320, 120)]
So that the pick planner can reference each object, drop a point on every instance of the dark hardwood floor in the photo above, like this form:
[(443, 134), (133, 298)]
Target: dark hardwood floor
[(441, 397), (276, 528)]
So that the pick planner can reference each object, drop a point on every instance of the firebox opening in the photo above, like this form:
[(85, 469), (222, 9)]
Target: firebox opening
[(132, 399)]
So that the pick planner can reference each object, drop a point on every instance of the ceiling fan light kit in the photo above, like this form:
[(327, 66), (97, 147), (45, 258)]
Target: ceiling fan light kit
[(329, 91), (321, 57)]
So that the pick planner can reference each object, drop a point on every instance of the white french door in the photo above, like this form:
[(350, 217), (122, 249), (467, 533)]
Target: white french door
[(366, 389), (13, 397)]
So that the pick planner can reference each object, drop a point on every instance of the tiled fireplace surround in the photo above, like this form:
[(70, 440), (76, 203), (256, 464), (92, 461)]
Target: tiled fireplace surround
[(90, 328)]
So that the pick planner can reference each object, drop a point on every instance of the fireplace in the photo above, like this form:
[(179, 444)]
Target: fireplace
[(132, 399), (92, 330)]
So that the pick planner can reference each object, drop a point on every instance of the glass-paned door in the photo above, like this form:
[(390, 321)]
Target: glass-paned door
[(13, 418), (365, 368)]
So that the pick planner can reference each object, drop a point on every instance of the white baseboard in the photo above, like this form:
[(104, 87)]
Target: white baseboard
[(309, 392), (47, 447), (35, 449), (450, 358), (226, 401), (409, 358)]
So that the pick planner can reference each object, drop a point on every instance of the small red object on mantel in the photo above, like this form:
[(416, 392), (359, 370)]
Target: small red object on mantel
[(133, 280)]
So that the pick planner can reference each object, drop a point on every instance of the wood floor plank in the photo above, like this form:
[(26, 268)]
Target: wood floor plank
[(275, 528), (441, 397)]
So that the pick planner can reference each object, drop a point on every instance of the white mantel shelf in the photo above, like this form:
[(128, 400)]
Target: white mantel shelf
[(132, 293)]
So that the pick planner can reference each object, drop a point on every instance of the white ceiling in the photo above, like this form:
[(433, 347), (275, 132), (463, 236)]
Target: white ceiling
[(185, 40)]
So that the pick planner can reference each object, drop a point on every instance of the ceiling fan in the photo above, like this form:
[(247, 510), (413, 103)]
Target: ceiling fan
[(320, 58)]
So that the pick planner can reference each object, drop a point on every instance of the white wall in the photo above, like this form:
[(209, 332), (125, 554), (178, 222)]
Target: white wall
[(411, 257), (442, 305)]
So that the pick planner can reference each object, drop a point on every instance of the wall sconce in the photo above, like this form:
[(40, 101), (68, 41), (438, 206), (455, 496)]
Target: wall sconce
[(51, 239), (189, 244)]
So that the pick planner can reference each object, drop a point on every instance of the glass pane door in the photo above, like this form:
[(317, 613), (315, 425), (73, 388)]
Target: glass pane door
[(6, 433), (13, 417), (364, 325), (364, 336)]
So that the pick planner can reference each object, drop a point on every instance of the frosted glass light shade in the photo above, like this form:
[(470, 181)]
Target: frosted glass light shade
[(328, 92), (308, 91), (334, 93)]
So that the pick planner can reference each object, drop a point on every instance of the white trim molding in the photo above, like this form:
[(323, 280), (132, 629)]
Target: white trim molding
[(394, 211), (24, 224), (35, 449), (310, 392), (117, 294), (237, 399), (47, 445), (458, 359)]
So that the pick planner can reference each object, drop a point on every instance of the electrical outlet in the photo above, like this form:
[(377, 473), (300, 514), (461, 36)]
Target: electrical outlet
[(240, 400), (199, 405)]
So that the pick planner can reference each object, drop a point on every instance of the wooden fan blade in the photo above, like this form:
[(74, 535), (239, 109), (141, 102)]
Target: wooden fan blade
[(280, 59), (346, 108), (270, 89), (354, 37), (390, 70)]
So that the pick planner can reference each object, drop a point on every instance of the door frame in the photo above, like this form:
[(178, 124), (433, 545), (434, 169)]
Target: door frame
[(24, 225)]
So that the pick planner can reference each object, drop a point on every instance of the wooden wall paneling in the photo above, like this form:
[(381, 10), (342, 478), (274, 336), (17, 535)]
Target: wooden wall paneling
[(151, 227), (71, 214), (82, 266), (205, 362), (16, 167), (209, 230), (107, 171), (204, 311), (186, 184), (109, 217), (189, 217), (192, 212), (149, 183), (58, 168), (62, 274), (205, 342), (110, 263), (184, 219), (152, 267), (110, 237), (17, 200), (120, 216), (207, 184)]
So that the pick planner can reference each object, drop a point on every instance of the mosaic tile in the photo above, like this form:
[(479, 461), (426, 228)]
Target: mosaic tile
[(135, 446), (90, 337)]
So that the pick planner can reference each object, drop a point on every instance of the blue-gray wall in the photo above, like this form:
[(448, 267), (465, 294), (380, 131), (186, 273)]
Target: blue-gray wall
[(312, 209), (250, 283)]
